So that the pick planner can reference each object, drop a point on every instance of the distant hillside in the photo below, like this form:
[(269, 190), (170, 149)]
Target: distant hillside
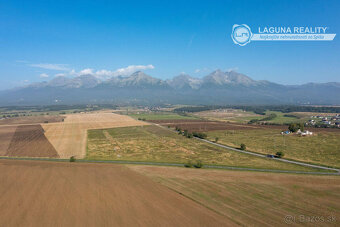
[(217, 88)]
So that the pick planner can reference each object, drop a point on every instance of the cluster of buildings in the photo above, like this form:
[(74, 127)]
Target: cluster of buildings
[(325, 121)]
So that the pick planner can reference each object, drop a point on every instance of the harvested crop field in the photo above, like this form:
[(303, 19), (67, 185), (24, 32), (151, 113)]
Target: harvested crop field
[(31, 120), (6, 134), (323, 147), (152, 143), (204, 126), (256, 199), (37, 193), (30, 141), (69, 137)]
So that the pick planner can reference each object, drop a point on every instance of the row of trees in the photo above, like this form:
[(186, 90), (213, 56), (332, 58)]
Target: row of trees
[(258, 109), (296, 126), (188, 134)]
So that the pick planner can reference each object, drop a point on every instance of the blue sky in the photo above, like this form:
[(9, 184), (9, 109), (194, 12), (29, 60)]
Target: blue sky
[(41, 39)]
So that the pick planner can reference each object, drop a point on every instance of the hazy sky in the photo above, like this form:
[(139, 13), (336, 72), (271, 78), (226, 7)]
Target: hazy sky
[(41, 39)]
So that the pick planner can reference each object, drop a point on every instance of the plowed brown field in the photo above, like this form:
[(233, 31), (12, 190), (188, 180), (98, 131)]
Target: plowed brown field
[(6, 134), (30, 141), (81, 194), (31, 120), (69, 137)]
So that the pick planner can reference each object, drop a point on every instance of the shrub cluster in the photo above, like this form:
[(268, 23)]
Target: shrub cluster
[(200, 135), (198, 164), (243, 146)]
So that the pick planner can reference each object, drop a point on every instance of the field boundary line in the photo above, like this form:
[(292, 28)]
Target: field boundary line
[(169, 164)]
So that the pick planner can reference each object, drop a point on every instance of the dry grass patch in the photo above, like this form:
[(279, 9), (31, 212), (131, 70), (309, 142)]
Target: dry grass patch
[(154, 144), (321, 148)]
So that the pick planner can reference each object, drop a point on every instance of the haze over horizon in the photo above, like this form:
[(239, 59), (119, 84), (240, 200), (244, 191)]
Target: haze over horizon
[(45, 39)]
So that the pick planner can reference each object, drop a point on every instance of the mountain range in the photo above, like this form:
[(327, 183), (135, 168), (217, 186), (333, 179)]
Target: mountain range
[(218, 88)]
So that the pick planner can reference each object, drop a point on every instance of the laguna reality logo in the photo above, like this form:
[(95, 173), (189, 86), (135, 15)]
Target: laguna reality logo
[(242, 35)]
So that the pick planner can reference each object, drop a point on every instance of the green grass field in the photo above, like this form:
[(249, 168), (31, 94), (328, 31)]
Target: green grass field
[(282, 119), (155, 144), (239, 116), (322, 148), (160, 116)]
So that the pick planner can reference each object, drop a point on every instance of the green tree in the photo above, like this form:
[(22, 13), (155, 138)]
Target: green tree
[(243, 146), (185, 133), (279, 154), (72, 159), (188, 164), (198, 164)]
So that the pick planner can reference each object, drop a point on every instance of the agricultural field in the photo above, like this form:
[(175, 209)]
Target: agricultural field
[(30, 141), (31, 120), (36, 193), (230, 115), (203, 125), (159, 116), (255, 199), (155, 144), (25, 141), (323, 147), (6, 135), (240, 116), (285, 118), (69, 137)]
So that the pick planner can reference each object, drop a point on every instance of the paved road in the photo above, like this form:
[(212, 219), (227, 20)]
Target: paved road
[(261, 155)]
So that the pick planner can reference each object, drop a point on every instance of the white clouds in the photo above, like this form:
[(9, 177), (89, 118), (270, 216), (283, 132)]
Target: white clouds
[(131, 69), (86, 71), (201, 70), (58, 67), (103, 73), (43, 75)]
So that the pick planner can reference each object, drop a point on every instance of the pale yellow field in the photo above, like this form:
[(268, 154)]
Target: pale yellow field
[(69, 137)]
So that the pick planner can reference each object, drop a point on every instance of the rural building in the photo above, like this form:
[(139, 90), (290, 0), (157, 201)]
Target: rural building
[(304, 133)]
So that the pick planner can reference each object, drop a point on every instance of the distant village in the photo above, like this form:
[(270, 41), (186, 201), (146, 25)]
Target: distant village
[(324, 121)]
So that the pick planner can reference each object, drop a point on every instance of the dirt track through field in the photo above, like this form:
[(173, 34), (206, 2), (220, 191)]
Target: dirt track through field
[(69, 137), (30, 141), (37, 193)]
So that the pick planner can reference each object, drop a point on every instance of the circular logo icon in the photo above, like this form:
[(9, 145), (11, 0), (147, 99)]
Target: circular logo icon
[(289, 219), (241, 34)]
